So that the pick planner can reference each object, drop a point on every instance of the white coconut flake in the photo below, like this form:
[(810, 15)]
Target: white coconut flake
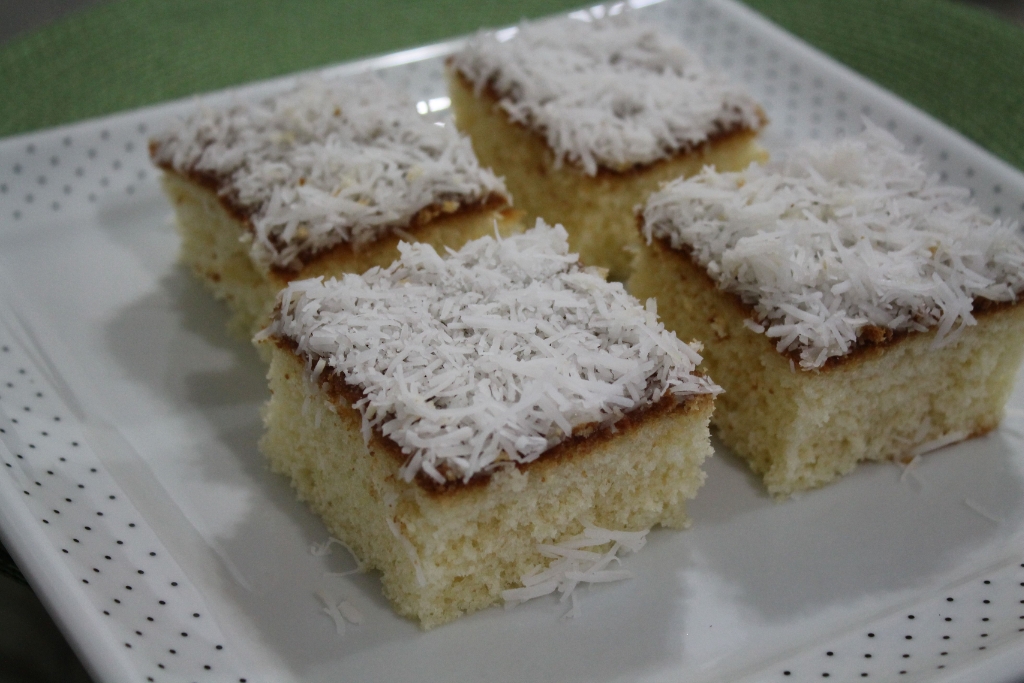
[(909, 470), (980, 509), (609, 93), (491, 355), (391, 503), (1015, 430), (752, 326), (326, 164), (338, 609), (941, 442), (838, 238), (330, 608), (572, 565), (350, 612), (323, 549), (574, 610)]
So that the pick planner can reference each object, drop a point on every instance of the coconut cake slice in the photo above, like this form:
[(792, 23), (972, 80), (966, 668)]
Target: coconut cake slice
[(585, 118), (448, 415), (852, 306), (321, 180)]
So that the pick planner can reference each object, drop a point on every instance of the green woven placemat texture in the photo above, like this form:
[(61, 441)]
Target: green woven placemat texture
[(960, 64)]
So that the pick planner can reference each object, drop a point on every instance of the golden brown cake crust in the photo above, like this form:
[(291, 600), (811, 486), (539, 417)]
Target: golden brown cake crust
[(583, 440), (313, 260), (723, 134), (329, 260), (871, 342)]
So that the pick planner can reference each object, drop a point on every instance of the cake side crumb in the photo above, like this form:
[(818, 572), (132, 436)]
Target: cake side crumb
[(458, 551), (801, 430)]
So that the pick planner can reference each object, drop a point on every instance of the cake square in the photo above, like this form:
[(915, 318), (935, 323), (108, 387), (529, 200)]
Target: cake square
[(445, 416), (852, 306), (584, 119), (322, 180)]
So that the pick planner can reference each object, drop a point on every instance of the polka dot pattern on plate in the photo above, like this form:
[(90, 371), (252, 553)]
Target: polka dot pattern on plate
[(123, 569), (958, 624)]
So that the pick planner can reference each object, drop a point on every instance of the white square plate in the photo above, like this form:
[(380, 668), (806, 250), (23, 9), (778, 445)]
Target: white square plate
[(133, 494)]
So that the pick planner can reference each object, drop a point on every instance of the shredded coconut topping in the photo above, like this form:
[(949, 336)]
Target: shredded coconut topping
[(493, 354), (610, 93), (327, 164), (840, 241)]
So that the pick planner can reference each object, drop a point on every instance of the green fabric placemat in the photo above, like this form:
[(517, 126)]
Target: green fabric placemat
[(128, 53), (960, 64)]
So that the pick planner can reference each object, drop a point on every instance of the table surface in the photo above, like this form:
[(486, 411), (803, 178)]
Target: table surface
[(958, 63)]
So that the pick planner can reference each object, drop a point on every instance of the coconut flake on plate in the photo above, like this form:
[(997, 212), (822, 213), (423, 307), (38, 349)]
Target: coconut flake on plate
[(839, 240), (573, 564), (492, 354)]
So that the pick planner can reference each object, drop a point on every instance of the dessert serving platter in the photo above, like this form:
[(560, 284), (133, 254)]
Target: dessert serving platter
[(133, 495)]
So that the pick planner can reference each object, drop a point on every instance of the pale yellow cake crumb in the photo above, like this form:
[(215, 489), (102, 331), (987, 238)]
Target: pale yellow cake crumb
[(803, 429), (444, 553)]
